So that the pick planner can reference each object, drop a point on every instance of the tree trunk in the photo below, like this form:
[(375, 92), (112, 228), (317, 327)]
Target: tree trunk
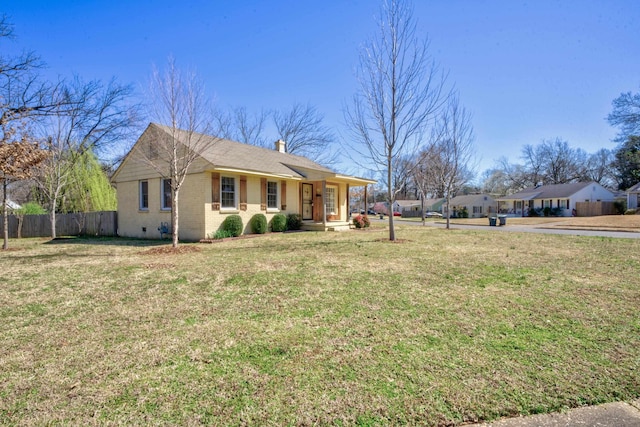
[(52, 218), (174, 219), (5, 215), (448, 212)]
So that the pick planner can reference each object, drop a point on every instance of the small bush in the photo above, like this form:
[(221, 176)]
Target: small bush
[(30, 208), (233, 225), (547, 211), (279, 223), (620, 206), (220, 234), (258, 224), (361, 221), (632, 211), (294, 222)]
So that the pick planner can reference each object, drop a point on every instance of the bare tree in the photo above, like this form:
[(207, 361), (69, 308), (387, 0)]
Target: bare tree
[(178, 101), (90, 116), (454, 150), (303, 130), (23, 99), (400, 91), (242, 126), (626, 116)]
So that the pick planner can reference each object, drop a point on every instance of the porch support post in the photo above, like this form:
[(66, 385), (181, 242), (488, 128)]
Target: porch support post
[(324, 202), (366, 208)]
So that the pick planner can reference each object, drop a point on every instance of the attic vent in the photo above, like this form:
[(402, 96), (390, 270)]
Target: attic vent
[(281, 146)]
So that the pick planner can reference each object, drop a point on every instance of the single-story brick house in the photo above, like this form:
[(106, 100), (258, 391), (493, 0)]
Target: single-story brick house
[(229, 177), (562, 197)]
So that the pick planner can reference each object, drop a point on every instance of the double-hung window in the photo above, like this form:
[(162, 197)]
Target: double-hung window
[(227, 192), (144, 195), (165, 196), (272, 195), (332, 208)]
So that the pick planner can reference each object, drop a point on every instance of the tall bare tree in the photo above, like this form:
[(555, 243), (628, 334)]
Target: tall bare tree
[(242, 126), (453, 145), (23, 99), (178, 101), (400, 90), (303, 130), (91, 116), (626, 116)]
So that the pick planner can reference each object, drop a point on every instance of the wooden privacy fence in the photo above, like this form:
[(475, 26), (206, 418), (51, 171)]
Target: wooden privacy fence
[(595, 208), (72, 224)]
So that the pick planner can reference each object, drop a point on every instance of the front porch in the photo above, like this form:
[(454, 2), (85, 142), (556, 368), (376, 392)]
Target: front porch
[(328, 226)]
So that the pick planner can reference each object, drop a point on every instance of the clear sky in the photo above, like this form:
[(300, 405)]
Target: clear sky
[(527, 70)]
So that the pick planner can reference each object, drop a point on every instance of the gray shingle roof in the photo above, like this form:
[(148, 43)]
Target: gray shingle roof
[(224, 153), (548, 191)]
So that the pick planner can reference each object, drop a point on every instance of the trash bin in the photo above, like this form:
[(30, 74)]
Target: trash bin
[(492, 221), (503, 219)]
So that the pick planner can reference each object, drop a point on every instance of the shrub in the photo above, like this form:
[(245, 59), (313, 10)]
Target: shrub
[(294, 222), (278, 223), (632, 211), (361, 221), (620, 206), (547, 211), (31, 208), (233, 225), (220, 234), (258, 224)]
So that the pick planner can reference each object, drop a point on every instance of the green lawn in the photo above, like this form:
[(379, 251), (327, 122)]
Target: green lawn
[(441, 328)]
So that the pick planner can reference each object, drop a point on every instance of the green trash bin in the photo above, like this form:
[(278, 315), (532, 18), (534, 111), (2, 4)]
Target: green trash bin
[(503, 219), (492, 221)]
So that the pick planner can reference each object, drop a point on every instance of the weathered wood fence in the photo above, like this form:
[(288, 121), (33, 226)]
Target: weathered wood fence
[(595, 208), (73, 224)]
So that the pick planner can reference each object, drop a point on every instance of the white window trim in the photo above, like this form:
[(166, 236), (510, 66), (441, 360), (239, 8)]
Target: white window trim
[(276, 208), (335, 199), (162, 205), (140, 198), (236, 194)]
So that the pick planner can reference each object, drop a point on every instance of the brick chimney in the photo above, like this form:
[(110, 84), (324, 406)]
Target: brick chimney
[(281, 146)]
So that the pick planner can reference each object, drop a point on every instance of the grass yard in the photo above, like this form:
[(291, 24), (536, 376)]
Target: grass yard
[(442, 328)]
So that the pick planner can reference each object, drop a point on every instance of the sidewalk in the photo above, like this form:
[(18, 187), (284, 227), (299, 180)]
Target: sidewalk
[(617, 414)]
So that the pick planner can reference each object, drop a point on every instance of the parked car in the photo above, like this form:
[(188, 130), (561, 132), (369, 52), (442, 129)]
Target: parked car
[(397, 214), (433, 215)]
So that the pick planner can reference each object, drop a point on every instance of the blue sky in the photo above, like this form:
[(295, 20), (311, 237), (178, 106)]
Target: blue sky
[(527, 70)]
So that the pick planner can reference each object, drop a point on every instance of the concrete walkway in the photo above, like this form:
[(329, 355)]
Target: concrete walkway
[(619, 414)]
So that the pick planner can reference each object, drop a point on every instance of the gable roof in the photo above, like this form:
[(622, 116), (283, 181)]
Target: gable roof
[(470, 199), (634, 189), (227, 154), (224, 154), (553, 191)]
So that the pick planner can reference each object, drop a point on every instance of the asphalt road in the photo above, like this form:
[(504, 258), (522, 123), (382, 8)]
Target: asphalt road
[(524, 229)]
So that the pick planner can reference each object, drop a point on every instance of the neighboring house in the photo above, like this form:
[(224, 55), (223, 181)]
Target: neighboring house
[(476, 205), (406, 206), (434, 205), (633, 195), (229, 178), (558, 196), (11, 205)]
